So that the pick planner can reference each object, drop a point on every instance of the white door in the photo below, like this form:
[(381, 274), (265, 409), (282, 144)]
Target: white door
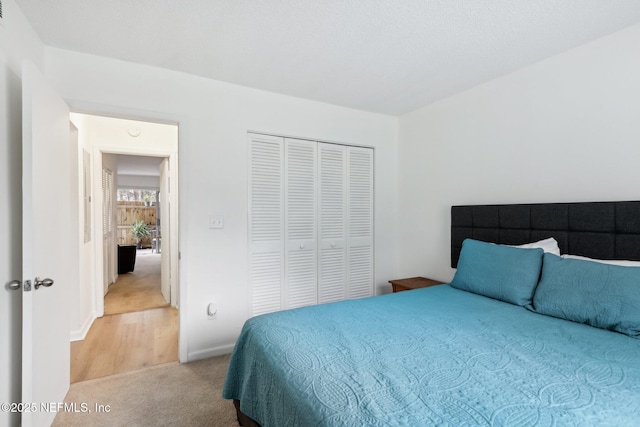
[(345, 264), (108, 240), (50, 245), (266, 229), (360, 221), (332, 223), (10, 261), (300, 224), (164, 232)]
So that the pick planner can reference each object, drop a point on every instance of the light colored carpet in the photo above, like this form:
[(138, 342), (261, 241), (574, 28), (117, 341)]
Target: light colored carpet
[(138, 290), (166, 395)]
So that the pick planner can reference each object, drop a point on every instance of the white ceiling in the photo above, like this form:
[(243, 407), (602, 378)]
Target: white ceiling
[(387, 56), (138, 165)]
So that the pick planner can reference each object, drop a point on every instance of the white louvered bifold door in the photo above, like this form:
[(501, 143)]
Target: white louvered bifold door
[(266, 226), (300, 224), (360, 221), (332, 222), (310, 223)]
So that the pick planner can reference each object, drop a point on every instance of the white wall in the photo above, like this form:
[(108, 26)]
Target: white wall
[(214, 118), (82, 310), (18, 42), (149, 182), (562, 130)]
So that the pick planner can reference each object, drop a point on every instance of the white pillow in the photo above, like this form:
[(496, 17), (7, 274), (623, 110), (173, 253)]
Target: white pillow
[(622, 263), (549, 245)]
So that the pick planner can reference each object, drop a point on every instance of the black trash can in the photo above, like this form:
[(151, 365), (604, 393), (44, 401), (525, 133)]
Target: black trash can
[(126, 258)]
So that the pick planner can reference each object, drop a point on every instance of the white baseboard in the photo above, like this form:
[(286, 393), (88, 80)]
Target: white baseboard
[(210, 352), (80, 334)]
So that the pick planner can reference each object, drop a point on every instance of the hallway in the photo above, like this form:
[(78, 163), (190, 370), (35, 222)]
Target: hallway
[(139, 328), (139, 289)]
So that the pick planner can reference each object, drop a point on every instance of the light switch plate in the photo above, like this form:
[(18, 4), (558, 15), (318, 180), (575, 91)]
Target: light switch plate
[(216, 221)]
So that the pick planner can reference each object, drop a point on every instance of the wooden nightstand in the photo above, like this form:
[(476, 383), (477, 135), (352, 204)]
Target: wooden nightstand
[(412, 283)]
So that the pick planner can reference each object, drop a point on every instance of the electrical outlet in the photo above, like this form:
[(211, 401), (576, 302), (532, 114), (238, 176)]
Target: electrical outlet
[(216, 221)]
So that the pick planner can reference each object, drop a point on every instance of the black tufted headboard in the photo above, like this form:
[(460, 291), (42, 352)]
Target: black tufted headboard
[(604, 230)]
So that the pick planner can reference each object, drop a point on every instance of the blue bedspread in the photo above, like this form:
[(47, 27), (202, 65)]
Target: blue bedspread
[(433, 356)]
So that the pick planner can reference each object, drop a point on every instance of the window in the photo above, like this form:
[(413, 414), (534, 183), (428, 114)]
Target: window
[(136, 195)]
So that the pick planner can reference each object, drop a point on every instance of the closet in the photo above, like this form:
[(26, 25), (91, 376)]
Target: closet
[(310, 222)]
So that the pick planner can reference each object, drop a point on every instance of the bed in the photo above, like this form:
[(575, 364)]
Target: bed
[(521, 336)]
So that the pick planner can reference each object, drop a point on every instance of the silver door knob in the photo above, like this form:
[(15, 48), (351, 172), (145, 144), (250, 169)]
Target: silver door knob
[(301, 246), (43, 282), (333, 245), (14, 285)]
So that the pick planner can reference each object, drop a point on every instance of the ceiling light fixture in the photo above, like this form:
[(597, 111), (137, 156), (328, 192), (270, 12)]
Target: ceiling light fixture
[(134, 132)]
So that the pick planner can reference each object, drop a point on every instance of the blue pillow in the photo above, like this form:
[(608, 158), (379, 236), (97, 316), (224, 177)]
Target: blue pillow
[(600, 295), (502, 272)]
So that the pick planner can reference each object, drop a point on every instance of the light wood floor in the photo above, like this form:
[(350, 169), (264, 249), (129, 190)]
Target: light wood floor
[(137, 290), (126, 342), (141, 331)]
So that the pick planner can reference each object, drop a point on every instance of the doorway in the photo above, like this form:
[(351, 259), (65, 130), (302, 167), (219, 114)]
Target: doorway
[(134, 303), (143, 270)]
